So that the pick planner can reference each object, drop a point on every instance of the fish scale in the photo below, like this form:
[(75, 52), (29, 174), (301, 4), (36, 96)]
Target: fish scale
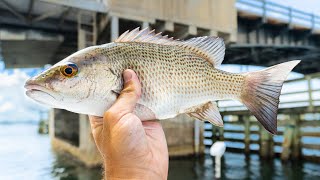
[(182, 67), (176, 77)]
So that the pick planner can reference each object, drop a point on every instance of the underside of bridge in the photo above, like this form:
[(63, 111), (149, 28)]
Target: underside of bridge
[(256, 41), (266, 43)]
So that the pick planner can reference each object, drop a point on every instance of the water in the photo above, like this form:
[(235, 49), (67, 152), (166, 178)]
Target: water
[(24, 154)]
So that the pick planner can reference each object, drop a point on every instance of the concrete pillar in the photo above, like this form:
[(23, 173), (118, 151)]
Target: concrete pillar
[(197, 134), (87, 145), (71, 133), (64, 125), (180, 135), (145, 25), (287, 142), (296, 145), (265, 144), (114, 28), (81, 39)]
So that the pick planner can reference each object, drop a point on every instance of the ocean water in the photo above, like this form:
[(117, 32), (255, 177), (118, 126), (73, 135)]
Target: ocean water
[(24, 154)]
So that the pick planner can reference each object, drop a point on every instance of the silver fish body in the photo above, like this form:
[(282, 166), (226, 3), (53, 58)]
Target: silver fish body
[(176, 77)]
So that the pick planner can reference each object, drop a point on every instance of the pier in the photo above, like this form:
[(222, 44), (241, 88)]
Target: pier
[(298, 119)]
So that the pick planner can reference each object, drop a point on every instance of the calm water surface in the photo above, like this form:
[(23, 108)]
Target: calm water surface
[(24, 154)]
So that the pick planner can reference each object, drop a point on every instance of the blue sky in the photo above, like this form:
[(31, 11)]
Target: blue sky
[(15, 106), (311, 6)]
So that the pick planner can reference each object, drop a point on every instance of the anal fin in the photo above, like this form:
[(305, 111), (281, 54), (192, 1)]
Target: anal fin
[(208, 111)]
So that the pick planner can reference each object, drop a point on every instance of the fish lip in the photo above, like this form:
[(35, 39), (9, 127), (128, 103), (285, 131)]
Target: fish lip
[(30, 87)]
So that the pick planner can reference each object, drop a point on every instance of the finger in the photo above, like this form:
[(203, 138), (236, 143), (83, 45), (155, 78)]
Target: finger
[(127, 99), (95, 121)]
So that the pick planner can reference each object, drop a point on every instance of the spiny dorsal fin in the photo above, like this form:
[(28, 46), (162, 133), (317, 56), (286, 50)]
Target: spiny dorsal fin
[(211, 48), (147, 36)]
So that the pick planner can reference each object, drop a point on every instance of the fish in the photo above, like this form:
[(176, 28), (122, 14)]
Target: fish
[(177, 77)]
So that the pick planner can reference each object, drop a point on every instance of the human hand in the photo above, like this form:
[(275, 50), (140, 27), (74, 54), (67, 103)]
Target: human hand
[(130, 148)]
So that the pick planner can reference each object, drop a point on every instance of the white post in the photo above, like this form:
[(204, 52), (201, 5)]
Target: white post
[(114, 28), (217, 150), (218, 167)]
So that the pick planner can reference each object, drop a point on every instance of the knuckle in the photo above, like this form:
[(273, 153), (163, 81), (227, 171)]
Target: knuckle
[(109, 114), (129, 93)]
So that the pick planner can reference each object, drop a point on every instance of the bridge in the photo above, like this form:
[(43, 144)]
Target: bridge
[(257, 32)]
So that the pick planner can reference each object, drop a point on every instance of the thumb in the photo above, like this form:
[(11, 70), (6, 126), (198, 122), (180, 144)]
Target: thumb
[(127, 99)]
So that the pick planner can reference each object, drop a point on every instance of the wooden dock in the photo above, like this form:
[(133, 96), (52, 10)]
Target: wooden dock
[(298, 121)]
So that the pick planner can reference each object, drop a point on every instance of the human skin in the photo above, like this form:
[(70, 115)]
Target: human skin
[(130, 148)]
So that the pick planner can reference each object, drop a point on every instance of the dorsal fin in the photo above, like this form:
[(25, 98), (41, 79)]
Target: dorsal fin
[(211, 48), (147, 36)]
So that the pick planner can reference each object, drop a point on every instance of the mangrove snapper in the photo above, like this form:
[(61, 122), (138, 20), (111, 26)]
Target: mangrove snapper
[(176, 77)]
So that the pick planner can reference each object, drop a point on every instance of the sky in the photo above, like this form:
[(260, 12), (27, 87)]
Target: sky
[(15, 106), (310, 6)]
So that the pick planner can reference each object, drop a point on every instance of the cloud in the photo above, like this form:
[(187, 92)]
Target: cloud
[(15, 106)]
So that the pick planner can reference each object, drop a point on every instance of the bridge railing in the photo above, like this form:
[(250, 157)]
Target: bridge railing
[(301, 92), (267, 9)]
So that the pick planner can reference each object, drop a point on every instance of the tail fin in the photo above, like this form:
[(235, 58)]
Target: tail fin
[(261, 93)]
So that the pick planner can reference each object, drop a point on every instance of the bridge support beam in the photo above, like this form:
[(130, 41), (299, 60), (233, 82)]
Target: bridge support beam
[(114, 28), (71, 133)]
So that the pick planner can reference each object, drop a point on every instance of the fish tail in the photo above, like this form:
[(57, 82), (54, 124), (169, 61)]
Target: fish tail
[(261, 92)]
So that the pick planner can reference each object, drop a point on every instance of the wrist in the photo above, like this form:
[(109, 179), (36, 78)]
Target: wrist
[(118, 173)]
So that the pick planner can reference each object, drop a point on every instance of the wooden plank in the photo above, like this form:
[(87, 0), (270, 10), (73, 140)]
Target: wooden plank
[(277, 143), (312, 158), (233, 122), (311, 146), (280, 133), (312, 134), (297, 110), (241, 140), (233, 131), (310, 123), (234, 140), (240, 131), (283, 122)]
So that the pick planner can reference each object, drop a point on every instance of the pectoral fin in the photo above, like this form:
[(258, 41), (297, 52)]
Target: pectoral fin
[(208, 111)]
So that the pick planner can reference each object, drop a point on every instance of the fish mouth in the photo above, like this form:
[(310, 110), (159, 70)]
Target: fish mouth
[(34, 89)]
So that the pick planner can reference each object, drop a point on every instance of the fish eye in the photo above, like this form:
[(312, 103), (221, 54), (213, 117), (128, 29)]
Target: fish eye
[(69, 70)]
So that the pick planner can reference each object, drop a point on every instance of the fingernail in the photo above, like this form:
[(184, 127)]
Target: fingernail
[(127, 76)]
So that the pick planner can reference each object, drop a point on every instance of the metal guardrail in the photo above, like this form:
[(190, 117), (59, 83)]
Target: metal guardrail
[(291, 14), (310, 102)]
